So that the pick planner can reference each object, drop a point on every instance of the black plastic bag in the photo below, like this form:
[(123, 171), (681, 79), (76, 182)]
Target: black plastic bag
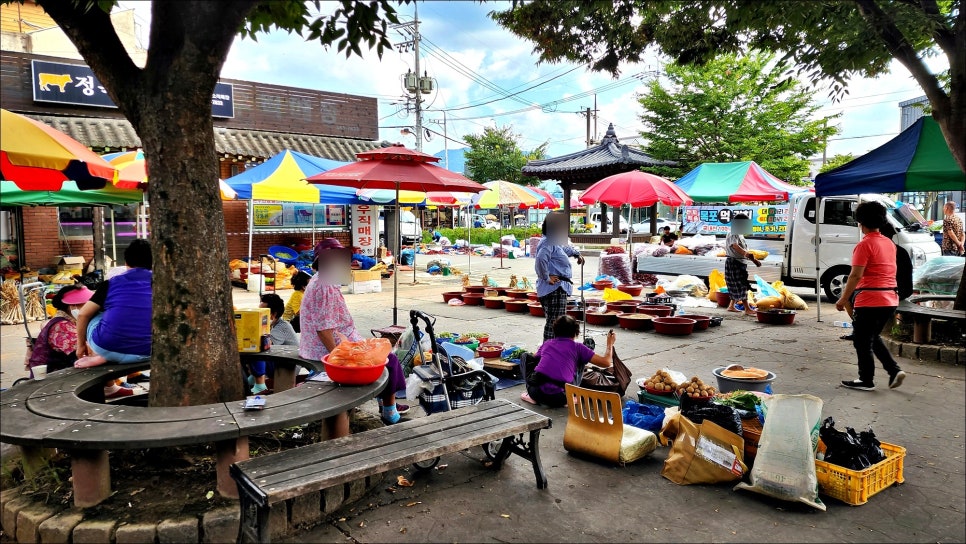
[(854, 451), (699, 410)]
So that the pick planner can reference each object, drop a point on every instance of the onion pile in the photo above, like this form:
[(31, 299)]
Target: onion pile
[(695, 389)]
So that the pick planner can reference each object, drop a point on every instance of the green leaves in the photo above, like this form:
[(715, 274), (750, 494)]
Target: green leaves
[(733, 109), (495, 155), (350, 26)]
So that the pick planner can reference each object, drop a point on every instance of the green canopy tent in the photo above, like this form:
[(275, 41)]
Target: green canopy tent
[(70, 195)]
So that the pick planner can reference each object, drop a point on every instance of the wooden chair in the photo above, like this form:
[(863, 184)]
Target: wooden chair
[(595, 426)]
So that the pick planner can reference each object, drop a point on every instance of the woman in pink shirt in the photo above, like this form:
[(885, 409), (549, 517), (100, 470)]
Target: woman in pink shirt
[(872, 291)]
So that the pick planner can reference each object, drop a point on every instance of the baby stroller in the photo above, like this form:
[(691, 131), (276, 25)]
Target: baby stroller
[(449, 382), (25, 291)]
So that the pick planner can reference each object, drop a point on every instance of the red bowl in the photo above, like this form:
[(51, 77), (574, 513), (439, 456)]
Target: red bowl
[(517, 293), (493, 303), (489, 350), (450, 295), (475, 289), (776, 317), (603, 284), (635, 322), (352, 375), (632, 289), (532, 295), (655, 310), (702, 322), (536, 309), (653, 391), (602, 319), (516, 305), (472, 299), (674, 326), (724, 299)]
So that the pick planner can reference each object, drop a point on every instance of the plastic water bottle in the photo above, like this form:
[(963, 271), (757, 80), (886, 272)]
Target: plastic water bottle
[(843, 324)]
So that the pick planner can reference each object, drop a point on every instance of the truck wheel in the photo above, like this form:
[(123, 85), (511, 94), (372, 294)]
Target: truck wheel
[(833, 281)]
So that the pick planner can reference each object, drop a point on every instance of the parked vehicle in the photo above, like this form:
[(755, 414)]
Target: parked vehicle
[(839, 233), (645, 225), (410, 229), (594, 221)]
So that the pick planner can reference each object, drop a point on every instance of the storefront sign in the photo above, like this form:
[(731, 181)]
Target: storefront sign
[(717, 219), (76, 84), (289, 215), (365, 229)]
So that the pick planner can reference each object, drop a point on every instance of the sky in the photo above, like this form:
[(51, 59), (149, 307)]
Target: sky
[(475, 62)]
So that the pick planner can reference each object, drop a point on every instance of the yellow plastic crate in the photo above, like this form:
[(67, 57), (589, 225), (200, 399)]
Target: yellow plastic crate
[(856, 486)]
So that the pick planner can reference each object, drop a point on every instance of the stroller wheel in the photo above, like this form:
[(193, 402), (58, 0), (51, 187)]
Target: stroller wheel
[(491, 449), (428, 464)]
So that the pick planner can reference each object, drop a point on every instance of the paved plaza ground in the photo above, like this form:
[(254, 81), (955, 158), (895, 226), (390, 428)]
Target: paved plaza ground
[(591, 501)]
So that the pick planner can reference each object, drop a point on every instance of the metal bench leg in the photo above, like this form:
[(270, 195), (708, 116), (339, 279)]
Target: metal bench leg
[(529, 450), (253, 524), (91, 474), (921, 329)]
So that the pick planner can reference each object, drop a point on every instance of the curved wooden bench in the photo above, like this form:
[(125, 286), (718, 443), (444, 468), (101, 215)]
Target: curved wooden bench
[(922, 316), (66, 411)]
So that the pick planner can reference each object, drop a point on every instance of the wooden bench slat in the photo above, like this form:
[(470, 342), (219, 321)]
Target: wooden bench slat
[(67, 406), (318, 466), (374, 461), (295, 456), (95, 435), (330, 400), (24, 428), (314, 462)]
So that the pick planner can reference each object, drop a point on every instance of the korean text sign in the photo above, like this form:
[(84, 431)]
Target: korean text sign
[(365, 229), (766, 219)]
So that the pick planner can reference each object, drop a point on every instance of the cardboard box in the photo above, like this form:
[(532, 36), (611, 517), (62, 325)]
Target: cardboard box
[(366, 275), (68, 263), (368, 286), (250, 325)]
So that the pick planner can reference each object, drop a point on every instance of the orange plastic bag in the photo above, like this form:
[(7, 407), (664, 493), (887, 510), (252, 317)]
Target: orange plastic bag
[(681, 250), (369, 352)]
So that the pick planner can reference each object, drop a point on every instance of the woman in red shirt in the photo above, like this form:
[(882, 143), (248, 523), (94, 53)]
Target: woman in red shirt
[(871, 289)]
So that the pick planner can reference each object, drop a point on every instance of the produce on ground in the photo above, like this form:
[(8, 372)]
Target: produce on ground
[(696, 389), (661, 381)]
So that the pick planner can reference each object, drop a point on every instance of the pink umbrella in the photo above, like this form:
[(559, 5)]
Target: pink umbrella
[(638, 189), (548, 202)]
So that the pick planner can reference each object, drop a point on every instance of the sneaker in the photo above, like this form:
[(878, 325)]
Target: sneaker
[(402, 408), (525, 397), (250, 380), (258, 388), (858, 384), (121, 392), (896, 379), (390, 415)]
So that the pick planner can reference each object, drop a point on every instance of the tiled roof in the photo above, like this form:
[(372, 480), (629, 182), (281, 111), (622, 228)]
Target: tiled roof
[(117, 133), (592, 164)]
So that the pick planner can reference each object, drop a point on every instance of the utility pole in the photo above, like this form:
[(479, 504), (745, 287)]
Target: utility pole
[(445, 140), (413, 83), (589, 141)]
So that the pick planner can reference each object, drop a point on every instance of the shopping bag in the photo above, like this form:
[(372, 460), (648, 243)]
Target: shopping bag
[(716, 281), (701, 454), (614, 379)]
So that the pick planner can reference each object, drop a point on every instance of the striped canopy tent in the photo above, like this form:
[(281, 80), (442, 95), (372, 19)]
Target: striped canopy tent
[(744, 181)]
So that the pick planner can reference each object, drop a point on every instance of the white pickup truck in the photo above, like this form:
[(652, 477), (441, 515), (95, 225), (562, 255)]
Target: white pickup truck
[(838, 232)]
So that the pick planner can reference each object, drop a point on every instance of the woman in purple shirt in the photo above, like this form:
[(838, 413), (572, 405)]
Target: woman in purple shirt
[(554, 283), (561, 360)]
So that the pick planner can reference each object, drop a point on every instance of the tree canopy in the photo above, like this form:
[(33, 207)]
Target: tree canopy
[(496, 154), (734, 108), (835, 161), (826, 40)]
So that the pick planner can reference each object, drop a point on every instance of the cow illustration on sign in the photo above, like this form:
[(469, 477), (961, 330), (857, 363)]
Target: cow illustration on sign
[(57, 80)]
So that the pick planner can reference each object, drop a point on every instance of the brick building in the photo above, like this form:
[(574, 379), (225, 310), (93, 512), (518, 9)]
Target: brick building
[(253, 121)]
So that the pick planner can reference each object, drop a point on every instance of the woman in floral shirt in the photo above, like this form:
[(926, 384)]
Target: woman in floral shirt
[(57, 341), (325, 321)]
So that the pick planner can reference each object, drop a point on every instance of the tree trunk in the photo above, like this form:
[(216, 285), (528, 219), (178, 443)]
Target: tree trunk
[(194, 351)]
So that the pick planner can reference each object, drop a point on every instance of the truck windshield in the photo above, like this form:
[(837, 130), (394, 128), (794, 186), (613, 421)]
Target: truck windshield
[(907, 216)]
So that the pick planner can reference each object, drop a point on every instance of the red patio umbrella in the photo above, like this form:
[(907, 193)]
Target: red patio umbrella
[(549, 202), (397, 168), (638, 189)]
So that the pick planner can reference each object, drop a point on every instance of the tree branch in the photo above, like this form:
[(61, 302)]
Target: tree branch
[(897, 44), (92, 32), (944, 36)]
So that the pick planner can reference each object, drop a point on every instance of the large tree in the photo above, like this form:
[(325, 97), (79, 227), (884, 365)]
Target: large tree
[(496, 154), (734, 108), (829, 40), (168, 101)]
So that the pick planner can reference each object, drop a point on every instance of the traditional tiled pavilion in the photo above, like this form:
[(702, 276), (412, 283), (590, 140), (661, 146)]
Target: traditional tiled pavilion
[(581, 169)]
